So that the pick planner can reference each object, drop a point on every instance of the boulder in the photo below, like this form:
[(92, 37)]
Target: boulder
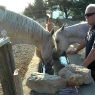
[(75, 75), (45, 83), (71, 75)]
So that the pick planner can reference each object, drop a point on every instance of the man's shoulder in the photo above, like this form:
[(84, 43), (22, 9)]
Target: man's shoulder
[(93, 28)]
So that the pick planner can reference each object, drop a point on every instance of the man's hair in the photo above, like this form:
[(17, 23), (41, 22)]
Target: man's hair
[(91, 6)]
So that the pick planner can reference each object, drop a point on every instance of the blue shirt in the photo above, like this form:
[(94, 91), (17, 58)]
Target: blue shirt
[(89, 45)]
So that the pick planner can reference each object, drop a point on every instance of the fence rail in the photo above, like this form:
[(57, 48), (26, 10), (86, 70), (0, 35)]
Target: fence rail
[(35, 14)]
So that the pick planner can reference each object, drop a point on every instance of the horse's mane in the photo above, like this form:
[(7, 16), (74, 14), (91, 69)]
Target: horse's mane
[(80, 23), (16, 22)]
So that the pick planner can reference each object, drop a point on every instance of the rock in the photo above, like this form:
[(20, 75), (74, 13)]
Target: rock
[(72, 79), (45, 83), (75, 75), (71, 75)]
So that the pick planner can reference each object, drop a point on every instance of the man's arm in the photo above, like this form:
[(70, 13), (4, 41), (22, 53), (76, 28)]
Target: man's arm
[(80, 47), (90, 58)]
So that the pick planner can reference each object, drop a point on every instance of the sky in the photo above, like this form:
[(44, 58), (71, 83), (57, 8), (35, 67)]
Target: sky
[(16, 5), (19, 6)]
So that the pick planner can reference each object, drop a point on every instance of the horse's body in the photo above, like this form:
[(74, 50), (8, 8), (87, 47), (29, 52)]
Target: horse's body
[(64, 37), (22, 29)]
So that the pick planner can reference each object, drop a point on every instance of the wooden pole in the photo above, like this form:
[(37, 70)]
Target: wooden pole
[(18, 83), (7, 67)]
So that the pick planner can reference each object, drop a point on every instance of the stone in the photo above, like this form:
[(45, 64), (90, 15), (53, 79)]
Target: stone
[(75, 75), (71, 75), (45, 83), (71, 78)]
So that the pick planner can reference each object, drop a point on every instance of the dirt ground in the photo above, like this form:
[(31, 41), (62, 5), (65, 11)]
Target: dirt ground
[(23, 53)]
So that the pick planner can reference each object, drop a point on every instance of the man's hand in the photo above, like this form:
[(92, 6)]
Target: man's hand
[(71, 52)]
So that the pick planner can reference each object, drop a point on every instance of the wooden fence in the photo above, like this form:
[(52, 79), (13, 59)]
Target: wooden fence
[(10, 77), (36, 14)]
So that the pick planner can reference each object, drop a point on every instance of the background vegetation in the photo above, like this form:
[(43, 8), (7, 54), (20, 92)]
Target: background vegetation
[(72, 8)]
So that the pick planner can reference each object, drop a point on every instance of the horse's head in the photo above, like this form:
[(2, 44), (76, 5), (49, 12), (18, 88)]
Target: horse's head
[(64, 37), (61, 42), (46, 51)]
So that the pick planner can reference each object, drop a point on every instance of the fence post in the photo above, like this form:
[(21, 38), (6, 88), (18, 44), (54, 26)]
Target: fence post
[(7, 67), (18, 83)]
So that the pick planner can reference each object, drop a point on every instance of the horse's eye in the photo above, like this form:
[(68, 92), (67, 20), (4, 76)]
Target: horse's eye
[(57, 41), (53, 46)]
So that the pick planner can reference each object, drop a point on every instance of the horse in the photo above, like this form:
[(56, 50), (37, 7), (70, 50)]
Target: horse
[(65, 36), (22, 29)]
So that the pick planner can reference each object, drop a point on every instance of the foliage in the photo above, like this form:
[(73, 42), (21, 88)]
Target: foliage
[(62, 5), (69, 7), (28, 11), (79, 6), (37, 10)]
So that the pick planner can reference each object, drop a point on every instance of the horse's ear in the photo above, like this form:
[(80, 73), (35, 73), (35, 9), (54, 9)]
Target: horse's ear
[(52, 31), (66, 25), (62, 28)]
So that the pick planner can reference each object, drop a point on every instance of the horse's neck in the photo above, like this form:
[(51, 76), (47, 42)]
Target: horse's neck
[(73, 40), (78, 31), (22, 34), (26, 41), (77, 34), (22, 37), (22, 29)]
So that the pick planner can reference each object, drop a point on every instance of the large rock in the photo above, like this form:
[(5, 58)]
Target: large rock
[(75, 75), (71, 75), (45, 83)]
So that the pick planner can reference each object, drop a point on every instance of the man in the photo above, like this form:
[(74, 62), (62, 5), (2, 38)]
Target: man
[(89, 41)]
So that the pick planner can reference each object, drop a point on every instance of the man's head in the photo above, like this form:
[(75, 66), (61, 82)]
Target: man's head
[(90, 14)]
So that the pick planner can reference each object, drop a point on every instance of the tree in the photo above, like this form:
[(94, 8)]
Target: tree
[(29, 10), (65, 5), (36, 10), (62, 5), (69, 7), (79, 6)]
